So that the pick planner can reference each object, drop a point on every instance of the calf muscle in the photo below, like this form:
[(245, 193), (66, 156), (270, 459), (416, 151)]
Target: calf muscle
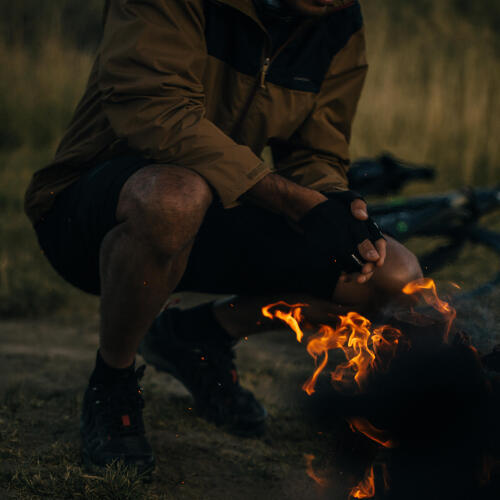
[(144, 257)]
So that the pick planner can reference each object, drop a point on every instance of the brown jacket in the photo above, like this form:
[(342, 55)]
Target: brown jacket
[(198, 84)]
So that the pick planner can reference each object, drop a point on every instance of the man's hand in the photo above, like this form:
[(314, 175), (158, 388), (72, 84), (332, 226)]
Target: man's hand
[(373, 255), (280, 195)]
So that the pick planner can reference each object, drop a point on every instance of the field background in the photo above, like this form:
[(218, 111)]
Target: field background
[(432, 96)]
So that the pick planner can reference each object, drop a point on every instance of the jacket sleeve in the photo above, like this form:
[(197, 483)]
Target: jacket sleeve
[(317, 155), (151, 63)]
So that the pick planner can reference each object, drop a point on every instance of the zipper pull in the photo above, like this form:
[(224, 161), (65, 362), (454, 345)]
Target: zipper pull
[(263, 72)]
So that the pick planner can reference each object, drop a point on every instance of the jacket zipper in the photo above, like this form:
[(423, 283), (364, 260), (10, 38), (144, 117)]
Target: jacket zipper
[(269, 59), (263, 72), (261, 82)]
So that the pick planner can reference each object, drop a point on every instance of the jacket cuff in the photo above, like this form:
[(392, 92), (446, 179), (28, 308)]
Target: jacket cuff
[(233, 177)]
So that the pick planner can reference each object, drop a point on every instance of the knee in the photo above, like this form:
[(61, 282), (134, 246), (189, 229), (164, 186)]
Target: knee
[(164, 206), (400, 268)]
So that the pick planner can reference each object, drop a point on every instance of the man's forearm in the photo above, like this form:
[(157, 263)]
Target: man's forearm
[(280, 195)]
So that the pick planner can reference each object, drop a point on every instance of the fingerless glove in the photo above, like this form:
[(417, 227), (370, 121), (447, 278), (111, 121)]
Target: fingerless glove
[(333, 233)]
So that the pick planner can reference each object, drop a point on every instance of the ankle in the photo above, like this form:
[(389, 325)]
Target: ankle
[(105, 373), (116, 360)]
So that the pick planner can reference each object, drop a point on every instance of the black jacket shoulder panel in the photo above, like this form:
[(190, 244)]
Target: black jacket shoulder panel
[(233, 37), (236, 39), (304, 63)]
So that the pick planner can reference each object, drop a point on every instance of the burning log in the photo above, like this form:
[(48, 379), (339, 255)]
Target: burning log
[(414, 386)]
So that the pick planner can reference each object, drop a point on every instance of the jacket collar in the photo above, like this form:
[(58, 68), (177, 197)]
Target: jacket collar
[(341, 4), (248, 7), (245, 6)]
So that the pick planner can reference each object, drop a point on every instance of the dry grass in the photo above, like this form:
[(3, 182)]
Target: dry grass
[(430, 96), (432, 93), (37, 97), (39, 91)]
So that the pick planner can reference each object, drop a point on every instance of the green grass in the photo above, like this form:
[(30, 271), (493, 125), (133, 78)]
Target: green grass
[(431, 96)]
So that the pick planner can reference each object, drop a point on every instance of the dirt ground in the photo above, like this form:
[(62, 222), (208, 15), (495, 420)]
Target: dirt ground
[(45, 367)]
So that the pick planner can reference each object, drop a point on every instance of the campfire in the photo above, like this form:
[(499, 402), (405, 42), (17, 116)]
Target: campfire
[(415, 387)]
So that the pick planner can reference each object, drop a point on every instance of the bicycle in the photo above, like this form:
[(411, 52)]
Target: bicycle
[(455, 215)]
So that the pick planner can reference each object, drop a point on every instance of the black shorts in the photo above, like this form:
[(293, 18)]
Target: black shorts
[(243, 250)]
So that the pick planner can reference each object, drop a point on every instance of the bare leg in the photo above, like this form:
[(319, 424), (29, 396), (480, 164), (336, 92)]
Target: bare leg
[(242, 316), (143, 258), (401, 267)]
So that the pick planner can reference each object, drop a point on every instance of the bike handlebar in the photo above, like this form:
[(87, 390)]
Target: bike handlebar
[(385, 174), (435, 215)]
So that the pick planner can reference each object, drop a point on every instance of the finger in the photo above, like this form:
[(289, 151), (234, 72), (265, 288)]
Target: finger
[(368, 268), (363, 278), (359, 210), (381, 246), (368, 251), (357, 278)]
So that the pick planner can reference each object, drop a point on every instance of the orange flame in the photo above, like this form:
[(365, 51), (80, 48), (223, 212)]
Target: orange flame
[(364, 349), (369, 430), (360, 356), (366, 488), (426, 288), (311, 473), (292, 318), (327, 339)]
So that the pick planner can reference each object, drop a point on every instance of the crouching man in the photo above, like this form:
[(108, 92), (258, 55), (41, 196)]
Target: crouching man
[(158, 187)]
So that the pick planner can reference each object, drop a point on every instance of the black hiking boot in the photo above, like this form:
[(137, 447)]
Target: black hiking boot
[(111, 425), (207, 370)]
